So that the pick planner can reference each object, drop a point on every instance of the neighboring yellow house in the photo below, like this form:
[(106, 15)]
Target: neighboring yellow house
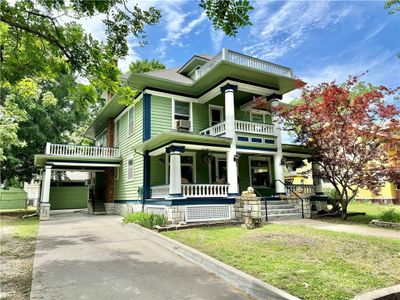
[(390, 192), (301, 175)]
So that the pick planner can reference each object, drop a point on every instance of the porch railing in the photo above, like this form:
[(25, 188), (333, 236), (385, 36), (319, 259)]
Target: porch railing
[(305, 189), (160, 191), (243, 60), (215, 130), (193, 190), (257, 128), (81, 151), (205, 190)]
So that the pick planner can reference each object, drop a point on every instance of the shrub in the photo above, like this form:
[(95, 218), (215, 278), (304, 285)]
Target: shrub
[(145, 219), (390, 215)]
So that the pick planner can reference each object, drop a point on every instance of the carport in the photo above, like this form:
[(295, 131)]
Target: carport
[(98, 161)]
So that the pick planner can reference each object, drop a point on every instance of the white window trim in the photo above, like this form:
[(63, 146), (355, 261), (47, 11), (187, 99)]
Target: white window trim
[(216, 156), (133, 110), (167, 165), (127, 169), (102, 133), (256, 113), (190, 112), (117, 129), (116, 173), (265, 158), (219, 107)]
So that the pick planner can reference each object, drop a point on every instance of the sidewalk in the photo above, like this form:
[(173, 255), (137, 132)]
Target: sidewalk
[(357, 229)]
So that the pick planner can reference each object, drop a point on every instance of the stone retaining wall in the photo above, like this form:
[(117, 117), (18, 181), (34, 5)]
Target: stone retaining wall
[(247, 207), (306, 206)]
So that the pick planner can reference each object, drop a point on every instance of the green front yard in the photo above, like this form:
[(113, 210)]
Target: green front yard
[(306, 262), (18, 241), (372, 212)]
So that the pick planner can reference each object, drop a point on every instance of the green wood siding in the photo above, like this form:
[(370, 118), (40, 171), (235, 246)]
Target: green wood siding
[(200, 117), (157, 170), (124, 189), (68, 197), (161, 115), (201, 169)]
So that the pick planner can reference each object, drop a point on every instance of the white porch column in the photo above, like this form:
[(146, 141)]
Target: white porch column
[(232, 174), (175, 177), (44, 212), (317, 181), (278, 167)]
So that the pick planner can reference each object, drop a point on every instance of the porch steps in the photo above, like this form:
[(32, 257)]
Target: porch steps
[(281, 210), (99, 209)]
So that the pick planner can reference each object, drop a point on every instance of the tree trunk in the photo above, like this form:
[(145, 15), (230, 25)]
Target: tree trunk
[(344, 212)]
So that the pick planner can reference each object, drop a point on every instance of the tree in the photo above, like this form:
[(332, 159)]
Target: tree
[(142, 66), (350, 130), (393, 5), (54, 22)]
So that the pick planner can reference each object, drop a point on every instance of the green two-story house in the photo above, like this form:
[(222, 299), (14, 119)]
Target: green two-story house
[(194, 139)]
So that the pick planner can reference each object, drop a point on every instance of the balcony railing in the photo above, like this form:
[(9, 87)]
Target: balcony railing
[(214, 130), (304, 189), (81, 151), (243, 60), (241, 126), (193, 190)]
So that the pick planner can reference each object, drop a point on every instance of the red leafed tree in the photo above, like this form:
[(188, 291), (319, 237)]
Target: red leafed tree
[(353, 133)]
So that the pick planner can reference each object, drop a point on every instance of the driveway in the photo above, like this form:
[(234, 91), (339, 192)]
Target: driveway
[(80, 256)]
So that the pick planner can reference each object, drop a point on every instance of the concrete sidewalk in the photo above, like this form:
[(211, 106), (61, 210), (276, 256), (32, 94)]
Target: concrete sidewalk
[(80, 256), (357, 229)]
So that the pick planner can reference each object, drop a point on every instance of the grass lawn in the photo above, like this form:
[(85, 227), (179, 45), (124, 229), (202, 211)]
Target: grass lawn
[(306, 262), (372, 212), (18, 241)]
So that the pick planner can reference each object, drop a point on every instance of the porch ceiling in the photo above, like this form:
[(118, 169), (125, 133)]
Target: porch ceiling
[(174, 137), (41, 160)]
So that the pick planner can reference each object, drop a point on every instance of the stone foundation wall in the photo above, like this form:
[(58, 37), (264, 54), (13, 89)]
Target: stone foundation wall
[(125, 208), (247, 206)]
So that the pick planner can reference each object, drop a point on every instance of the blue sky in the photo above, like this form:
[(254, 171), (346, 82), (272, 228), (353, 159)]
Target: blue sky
[(320, 40)]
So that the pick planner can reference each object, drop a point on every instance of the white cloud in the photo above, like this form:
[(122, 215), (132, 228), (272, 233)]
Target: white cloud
[(217, 36), (382, 69), (275, 33)]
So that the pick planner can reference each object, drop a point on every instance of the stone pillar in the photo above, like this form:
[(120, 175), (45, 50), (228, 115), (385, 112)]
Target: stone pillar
[(44, 212), (109, 172), (278, 167), (230, 132), (317, 181), (175, 177)]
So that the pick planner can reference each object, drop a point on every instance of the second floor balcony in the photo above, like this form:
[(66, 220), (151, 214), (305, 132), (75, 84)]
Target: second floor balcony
[(241, 126), (81, 151)]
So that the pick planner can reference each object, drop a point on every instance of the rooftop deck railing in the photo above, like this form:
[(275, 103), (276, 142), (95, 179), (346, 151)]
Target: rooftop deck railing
[(81, 151), (245, 61)]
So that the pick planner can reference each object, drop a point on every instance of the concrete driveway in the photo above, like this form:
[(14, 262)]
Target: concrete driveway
[(80, 256)]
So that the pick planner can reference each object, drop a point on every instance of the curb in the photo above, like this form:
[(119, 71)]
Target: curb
[(389, 293), (251, 285)]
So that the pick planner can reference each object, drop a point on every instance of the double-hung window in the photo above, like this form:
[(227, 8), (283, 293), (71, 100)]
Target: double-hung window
[(182, 110), (130, 121), (130, 169), (117, 132), (257, 118)]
